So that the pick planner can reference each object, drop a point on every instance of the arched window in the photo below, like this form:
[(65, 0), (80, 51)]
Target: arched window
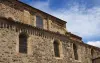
[(39, 22), (75, 52), (56, 49), (23, 43)]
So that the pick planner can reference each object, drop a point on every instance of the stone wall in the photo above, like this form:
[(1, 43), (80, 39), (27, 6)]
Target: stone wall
[(23, 13), (40, 46), (56, 27), (22, 18)]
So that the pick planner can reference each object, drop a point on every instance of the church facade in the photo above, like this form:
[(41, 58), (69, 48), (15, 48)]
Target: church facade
[(29, 35)]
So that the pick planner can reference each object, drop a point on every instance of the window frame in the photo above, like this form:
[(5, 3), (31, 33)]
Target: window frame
[(39, 21), (75, 50), (23, 45), (60, 50), (56, 49)]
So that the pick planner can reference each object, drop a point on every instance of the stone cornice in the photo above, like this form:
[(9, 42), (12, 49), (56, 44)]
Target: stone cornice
[(21, 27)]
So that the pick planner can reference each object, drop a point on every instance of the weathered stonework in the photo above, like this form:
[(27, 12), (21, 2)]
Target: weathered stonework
[(40, 48), (26, 14)]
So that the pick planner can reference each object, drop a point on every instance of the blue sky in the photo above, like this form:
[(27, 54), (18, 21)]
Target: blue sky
[(83, 16)]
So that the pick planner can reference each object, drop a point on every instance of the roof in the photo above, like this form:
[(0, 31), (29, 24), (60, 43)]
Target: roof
[(73, 35), (58, 19)]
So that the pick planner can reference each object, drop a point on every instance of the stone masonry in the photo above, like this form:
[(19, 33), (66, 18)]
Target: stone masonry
[(17, 17)]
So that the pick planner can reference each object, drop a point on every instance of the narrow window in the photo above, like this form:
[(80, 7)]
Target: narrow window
[(92, 52), (56, 49), (75, 52), (22, 43), (39, 22)]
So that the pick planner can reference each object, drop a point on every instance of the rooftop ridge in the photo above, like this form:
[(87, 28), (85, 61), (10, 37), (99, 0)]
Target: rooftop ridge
[(42, 11)]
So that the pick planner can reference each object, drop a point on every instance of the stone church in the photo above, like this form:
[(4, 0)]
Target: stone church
[(29, 35)]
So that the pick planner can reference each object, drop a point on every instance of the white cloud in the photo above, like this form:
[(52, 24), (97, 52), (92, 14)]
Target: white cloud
[(85, 24), (81, 21), (94, 43)]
